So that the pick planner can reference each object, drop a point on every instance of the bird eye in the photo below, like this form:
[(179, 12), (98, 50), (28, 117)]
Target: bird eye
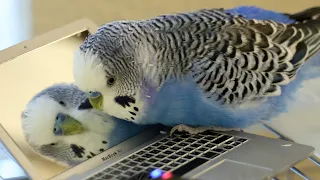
[(111, 81), (62, 103)]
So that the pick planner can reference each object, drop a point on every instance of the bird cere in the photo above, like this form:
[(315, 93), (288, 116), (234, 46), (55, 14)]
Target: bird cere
[(218, 69)]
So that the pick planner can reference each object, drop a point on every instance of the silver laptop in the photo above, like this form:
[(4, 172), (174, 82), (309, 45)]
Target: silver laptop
[(209, 155)]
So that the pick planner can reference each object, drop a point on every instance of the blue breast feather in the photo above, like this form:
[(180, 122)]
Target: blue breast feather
[(184, 103)]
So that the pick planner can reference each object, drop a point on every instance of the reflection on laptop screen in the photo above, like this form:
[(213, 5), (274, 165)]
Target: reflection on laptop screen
[(9, 167), (23, 78)]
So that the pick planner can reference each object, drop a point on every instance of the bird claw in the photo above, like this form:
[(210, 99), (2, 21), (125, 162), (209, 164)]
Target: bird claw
[(197, 130)]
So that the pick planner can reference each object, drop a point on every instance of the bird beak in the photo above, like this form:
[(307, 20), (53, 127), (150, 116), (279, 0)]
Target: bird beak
[(66, 125), (96, 100)]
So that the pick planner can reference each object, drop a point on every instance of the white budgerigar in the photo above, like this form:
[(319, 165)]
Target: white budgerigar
[(56, 129), (221, 68)]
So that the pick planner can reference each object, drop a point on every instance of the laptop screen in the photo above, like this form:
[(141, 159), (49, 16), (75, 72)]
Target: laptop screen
[(23, 78)]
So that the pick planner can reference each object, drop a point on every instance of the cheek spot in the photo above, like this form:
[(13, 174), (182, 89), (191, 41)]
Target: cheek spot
[(124, 100), (78, 150), (132, 118), (136, 109), (104, 142), (132, 113)]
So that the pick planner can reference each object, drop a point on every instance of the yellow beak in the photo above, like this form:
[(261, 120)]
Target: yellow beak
[(66, 125), (96, 100)]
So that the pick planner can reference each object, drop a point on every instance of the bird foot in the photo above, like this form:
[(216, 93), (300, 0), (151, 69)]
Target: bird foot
[(197, 130)]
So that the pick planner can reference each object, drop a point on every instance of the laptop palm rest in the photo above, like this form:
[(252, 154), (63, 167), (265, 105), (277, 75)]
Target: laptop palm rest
[(231, 170)]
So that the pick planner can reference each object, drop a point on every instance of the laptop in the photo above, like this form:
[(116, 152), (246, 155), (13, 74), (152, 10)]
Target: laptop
[(210, 155)]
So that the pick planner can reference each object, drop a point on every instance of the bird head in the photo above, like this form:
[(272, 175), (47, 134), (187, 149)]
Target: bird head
[(106, 67), (52, 123)]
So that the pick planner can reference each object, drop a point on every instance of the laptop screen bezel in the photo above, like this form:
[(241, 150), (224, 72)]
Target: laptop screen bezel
[(11, 53)]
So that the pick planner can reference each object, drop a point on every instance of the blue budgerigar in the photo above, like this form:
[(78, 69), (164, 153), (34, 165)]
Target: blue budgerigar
[(212, 68), (55, 128)]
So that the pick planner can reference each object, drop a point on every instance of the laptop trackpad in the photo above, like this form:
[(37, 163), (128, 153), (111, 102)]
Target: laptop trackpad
[(231, 170)]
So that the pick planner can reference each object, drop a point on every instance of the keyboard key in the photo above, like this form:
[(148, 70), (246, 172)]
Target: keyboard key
[(167, 152), (210, 138), (123, 168), (121, 178), (181, 153), (115, 172), (177, 140), (183, 144), (203, 141), (107, 176), (189, 140), (166, 169), (107, 170), (170, 144), (195, 145), (131, 164), (140, 152), (189, 166), (188, 149), (219, 150), (129, 173), (156, 144), (144, 164), (210, 155), (228, 142), (166, 161), (154, 151), (139, 159), (196, 153), (149, 169), (188, 157), (175, 148), (162, 147), (147, 155), (174, 164), (185, 135), (222, 139), (198, 136), (173, 157), (242, 140), (228, 147), (160, 156), (203, 149), (141, 175), (133, 156), (210, 145), (116, 165), (181, 161), (152, 160), (137, 169), (98, 174), (148, 148), (158, 165), (236, 144), (124, 161)]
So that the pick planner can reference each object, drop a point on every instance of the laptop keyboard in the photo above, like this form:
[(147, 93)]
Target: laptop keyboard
[(179, 154)]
